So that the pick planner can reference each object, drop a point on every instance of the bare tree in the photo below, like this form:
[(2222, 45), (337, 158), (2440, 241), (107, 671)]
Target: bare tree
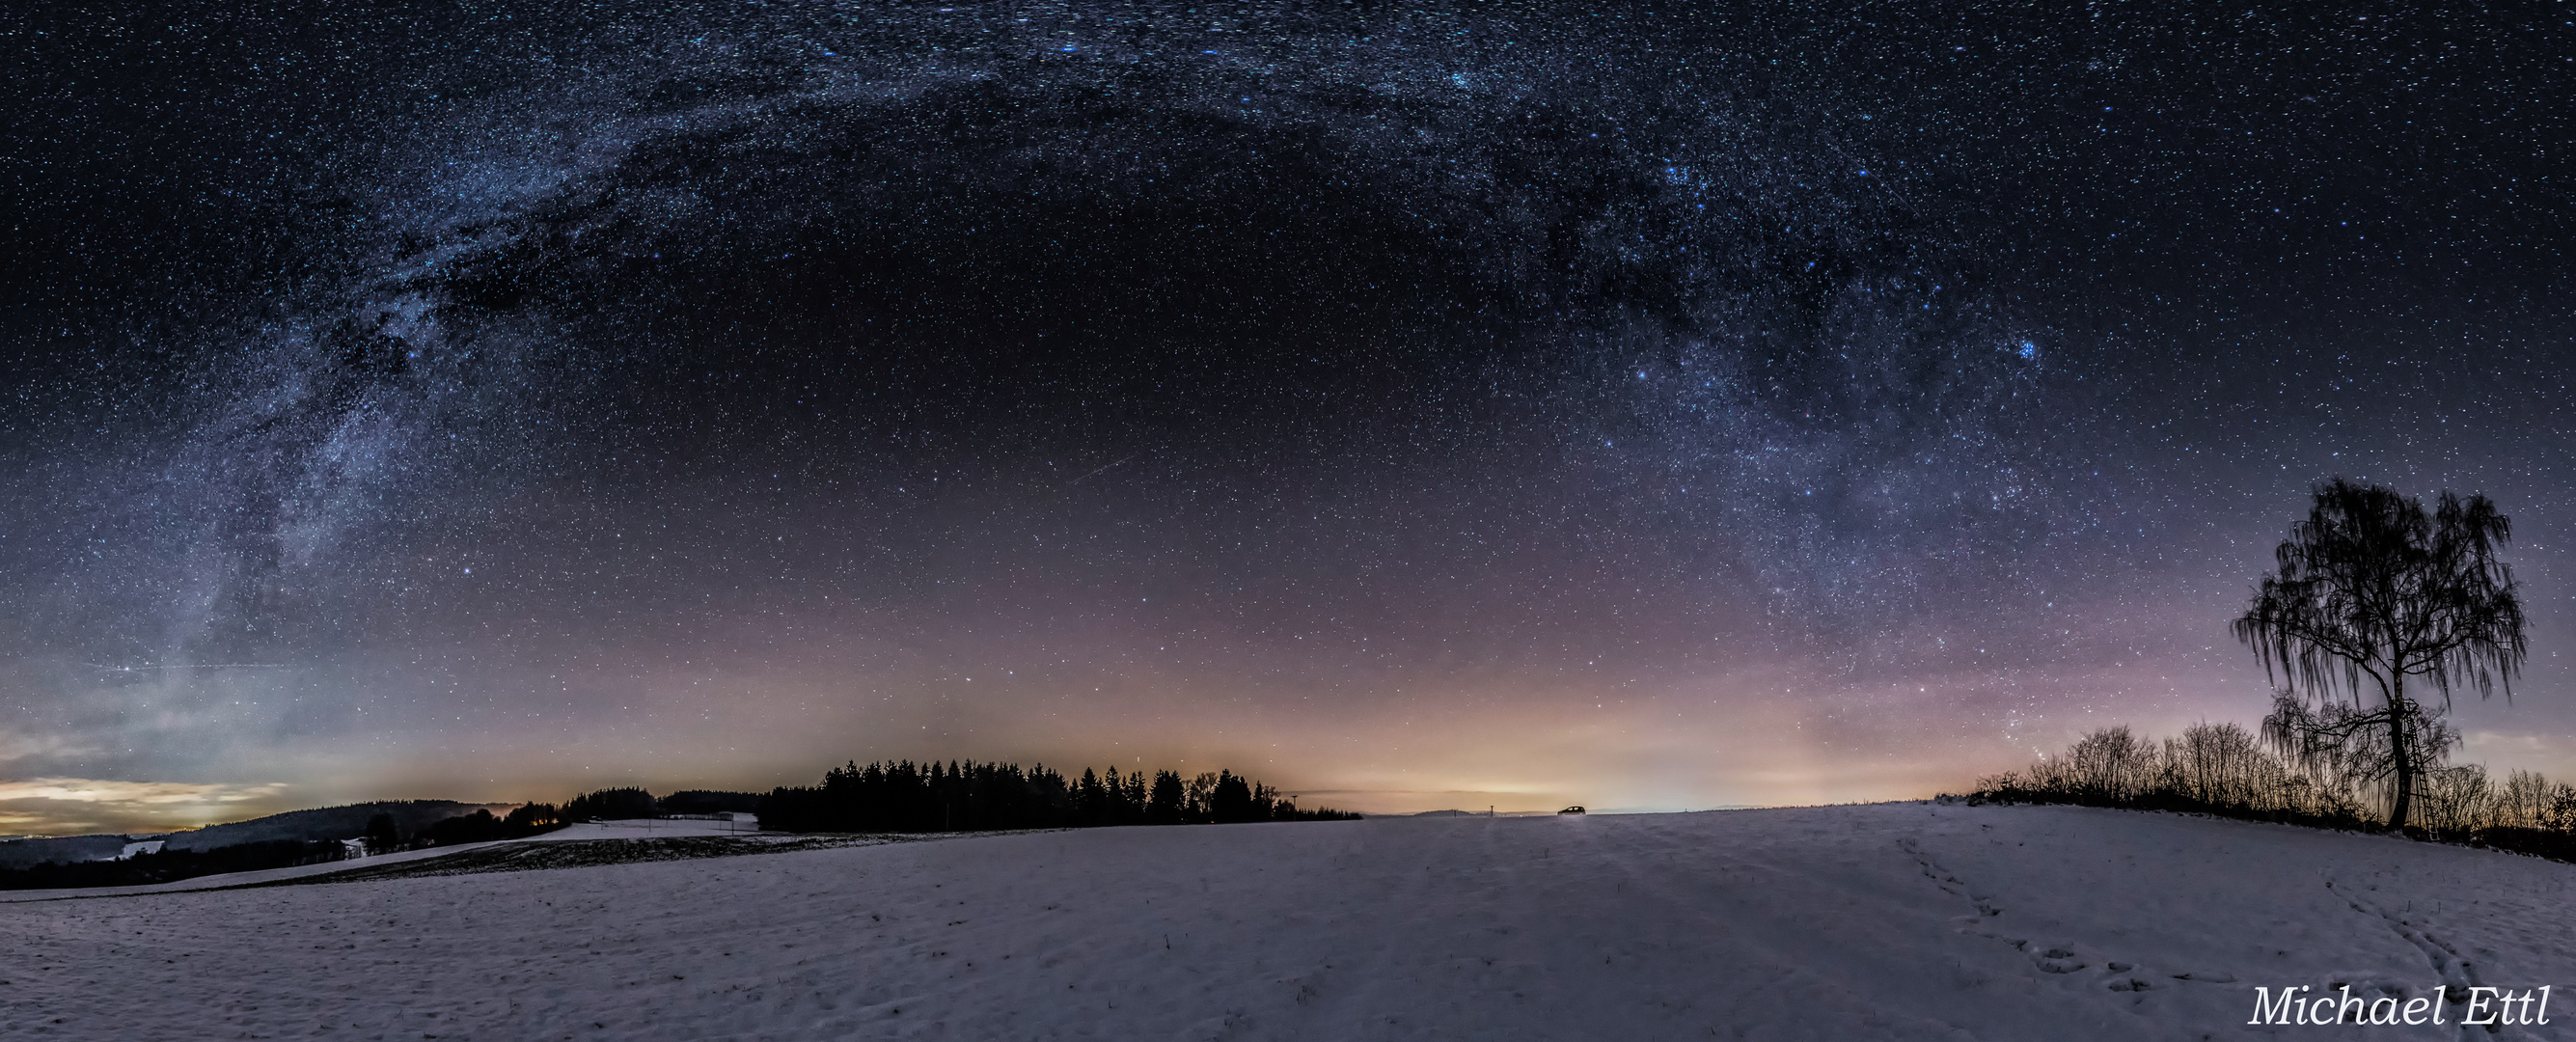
[(2371, 593), (2111, 765)]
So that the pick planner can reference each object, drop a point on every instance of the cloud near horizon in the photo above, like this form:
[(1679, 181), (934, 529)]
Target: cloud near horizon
[(61, 806)]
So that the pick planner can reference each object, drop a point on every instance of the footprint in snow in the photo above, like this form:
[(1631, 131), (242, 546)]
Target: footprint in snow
[(2057, 960)]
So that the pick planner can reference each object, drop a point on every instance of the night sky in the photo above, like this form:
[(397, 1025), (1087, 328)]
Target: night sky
[(1416, 406)]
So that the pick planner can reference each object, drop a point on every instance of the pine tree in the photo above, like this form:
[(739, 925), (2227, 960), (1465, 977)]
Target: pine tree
[(1231, 800), (1165, 805), (1132, 802)]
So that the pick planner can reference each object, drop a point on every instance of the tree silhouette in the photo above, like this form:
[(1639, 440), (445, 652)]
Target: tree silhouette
[(1231, 800), (902, 797), (611, 805), (382, 835), (2370, 593), (532, 817), (1165, 804)]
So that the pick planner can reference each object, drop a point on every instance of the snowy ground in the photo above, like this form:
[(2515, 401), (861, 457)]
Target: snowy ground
[(1882, 922)]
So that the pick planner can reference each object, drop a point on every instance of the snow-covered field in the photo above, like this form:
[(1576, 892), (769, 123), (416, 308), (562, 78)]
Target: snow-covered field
[(1901, 921)]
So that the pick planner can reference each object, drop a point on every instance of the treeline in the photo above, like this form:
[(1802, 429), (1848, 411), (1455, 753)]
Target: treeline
[(611, 805), (2222, 769), (896, 797), (478, 827), (623, 804), (968, 796)]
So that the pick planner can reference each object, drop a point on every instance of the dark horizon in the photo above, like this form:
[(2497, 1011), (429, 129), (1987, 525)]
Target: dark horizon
[(1461, 405)]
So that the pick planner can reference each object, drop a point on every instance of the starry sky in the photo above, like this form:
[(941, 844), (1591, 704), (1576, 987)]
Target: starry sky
[(1414, 405)]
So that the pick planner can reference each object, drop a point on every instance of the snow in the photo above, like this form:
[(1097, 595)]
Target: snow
[(1896, 921)]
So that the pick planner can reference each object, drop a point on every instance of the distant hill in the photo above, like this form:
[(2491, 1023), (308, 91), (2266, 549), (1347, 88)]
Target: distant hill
[(347, 822), (21, 853)]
